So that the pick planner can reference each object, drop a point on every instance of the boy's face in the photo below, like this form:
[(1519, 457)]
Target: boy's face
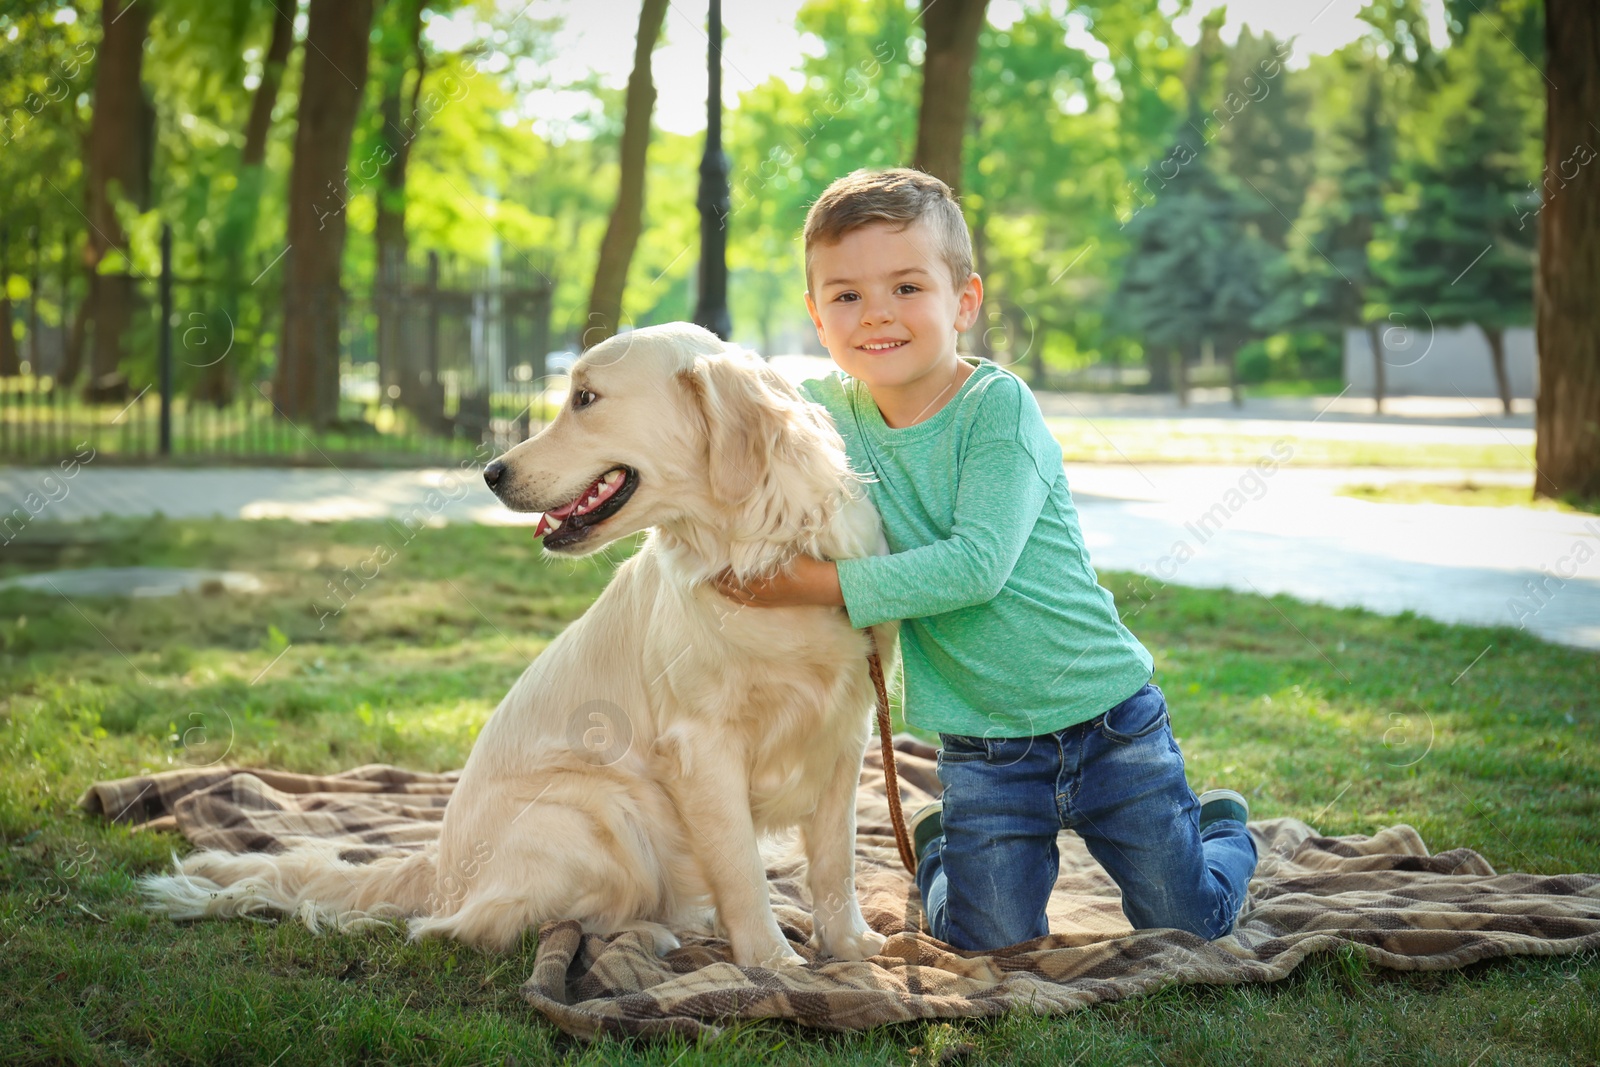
[(884, 305)]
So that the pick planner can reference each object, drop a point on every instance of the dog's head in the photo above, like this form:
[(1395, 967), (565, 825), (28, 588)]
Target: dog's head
[(670, 427)]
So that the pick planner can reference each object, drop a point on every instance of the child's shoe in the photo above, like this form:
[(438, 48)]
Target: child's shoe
[(925, 824), (1222, 804), (1218, 804)]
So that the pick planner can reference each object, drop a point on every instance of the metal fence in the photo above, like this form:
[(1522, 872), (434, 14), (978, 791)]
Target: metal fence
[(436, 362)]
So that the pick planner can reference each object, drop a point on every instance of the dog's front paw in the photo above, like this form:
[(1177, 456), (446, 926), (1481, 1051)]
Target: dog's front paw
[(776, 957), (856, 944)]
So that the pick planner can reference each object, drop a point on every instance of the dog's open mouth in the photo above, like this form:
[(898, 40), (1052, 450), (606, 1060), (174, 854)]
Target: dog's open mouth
[(602, 499)]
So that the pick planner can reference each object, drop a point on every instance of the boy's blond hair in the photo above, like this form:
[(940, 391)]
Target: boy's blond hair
[(899, 196)]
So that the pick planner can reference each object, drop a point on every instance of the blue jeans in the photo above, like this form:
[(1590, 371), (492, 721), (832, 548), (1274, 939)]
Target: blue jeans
[(1117, 781)]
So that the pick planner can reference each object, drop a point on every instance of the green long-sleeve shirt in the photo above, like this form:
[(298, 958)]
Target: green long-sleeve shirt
[(1007, 632)]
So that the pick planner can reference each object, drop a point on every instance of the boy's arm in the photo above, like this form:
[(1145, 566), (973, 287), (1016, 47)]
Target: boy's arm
[(999, 498)]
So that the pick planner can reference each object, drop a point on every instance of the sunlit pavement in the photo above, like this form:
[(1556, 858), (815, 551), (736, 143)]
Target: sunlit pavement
[(1287, 532), (1283, 532)]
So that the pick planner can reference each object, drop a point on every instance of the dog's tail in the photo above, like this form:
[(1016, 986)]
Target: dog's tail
[(310, 882)]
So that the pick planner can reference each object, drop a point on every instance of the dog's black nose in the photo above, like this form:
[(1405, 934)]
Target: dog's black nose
[(492, 473)]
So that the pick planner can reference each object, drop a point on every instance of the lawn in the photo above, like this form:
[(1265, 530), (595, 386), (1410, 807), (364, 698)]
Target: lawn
[(1349, 720), (1466, 493), (1244, 442)]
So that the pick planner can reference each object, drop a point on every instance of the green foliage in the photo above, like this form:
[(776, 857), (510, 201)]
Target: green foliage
[(1198, 259), (1320, 287), (1299, 187), (1457, 242), (855, 106), (44, 118)]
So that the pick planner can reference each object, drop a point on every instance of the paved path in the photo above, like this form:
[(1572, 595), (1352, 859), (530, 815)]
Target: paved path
[(1286, 533)]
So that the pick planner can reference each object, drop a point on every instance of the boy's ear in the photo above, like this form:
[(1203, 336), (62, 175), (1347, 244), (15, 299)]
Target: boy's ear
[(971, 299), (816, 320)]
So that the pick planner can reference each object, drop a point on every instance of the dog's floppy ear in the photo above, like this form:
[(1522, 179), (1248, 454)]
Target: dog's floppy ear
[(746, 422)]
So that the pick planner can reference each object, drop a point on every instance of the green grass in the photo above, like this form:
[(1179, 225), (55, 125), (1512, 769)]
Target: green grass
[(1350, 720), (1173, 440), (1328, 387), (1465, 494)]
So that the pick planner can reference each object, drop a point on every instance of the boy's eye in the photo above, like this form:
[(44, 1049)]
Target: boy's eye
[(907, 286), (845, 297)]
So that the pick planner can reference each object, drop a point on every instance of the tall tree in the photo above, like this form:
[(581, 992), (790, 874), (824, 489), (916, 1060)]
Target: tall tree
[(951, 28), (1264, 132), (1197, 263), (43, 130), (1325, 283), (1458, 247), (856, 106), (400, 49), (307, 381), (266, 95), (1028, 223), (622, 232), (1568, 410), (121, 136), (219, 378)]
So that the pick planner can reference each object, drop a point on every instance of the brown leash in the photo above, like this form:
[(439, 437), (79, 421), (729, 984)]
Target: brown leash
[(891, 780)]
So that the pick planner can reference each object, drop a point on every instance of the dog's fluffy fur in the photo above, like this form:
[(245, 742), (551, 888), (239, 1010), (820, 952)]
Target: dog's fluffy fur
[(627, 777)]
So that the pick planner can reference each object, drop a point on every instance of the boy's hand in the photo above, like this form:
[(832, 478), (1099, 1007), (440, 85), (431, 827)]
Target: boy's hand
[(814, 582)]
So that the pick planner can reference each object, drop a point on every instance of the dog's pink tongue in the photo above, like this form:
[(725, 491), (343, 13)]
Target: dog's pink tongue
[(565, 509)]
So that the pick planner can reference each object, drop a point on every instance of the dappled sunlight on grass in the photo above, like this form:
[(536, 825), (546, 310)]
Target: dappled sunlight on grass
[(1463, 494), (1156, 440)]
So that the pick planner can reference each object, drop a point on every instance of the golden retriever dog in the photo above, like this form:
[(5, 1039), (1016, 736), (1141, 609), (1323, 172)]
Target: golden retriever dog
[(628, 777)]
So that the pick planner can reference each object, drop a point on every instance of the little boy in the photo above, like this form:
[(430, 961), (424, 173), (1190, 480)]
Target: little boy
[(1043, 701)]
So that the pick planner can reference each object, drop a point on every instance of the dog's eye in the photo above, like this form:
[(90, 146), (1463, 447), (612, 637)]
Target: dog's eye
[(579, 401)]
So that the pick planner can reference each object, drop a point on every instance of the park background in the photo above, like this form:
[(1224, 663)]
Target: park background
[(1160, 201), (1256, 262)]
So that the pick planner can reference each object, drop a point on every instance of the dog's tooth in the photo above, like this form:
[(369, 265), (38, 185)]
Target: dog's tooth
[(612, 477), (555, 524)]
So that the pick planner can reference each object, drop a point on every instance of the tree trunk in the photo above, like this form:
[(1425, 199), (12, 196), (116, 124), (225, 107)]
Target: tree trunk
[(1179, 376), (393, 249), (10, 363), (1235, 392), (622, 232), (35, 356), (1497, 356), (1379, 384), (72, 353), (1567, 450), (266, 97), (218, 382), (1159, 363), (951, 28), (307, 382), (117, 164)]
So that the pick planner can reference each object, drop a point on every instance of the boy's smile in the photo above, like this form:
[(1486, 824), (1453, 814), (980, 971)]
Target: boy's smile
[(888, 312)]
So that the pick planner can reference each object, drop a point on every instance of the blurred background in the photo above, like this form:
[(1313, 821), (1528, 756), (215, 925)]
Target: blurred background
[(392, 223)]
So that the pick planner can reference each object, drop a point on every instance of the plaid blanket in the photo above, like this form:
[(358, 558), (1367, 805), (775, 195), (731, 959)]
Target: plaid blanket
[(1385, 894)]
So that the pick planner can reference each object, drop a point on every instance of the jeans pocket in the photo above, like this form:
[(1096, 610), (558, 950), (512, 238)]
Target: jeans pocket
[(1139, 716), (959, 748)]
